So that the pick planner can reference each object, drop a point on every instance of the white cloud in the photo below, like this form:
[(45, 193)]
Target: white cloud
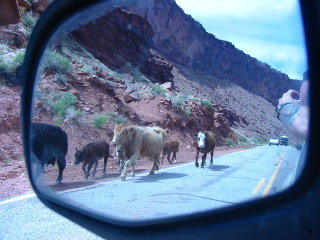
[(287, 58), (269, 30)]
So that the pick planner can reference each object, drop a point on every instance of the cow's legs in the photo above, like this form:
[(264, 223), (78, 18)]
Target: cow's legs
[(128, 163), (132, 173), (95, 168), (105, 161), (163, 155), (197, 156), (174, 157), (155, 166), (211, 160), (84, 170), (89, 168), (61, 165), (169, 158), (204, 157)]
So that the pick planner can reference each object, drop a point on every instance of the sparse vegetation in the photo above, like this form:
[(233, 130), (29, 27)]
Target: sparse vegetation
[(187, 112), (74, 115), (243, 139), (28, 20), (118, 119), (179, 101), (158, 90), (62, 104), (11, 68), (229, 142), (206, 103), (6, 161), (99, 120), (88, 69), (56, 62), (260, 141)]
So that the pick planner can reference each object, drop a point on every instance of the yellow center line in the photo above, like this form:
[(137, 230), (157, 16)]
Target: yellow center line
[(273, 177), (260, 184)]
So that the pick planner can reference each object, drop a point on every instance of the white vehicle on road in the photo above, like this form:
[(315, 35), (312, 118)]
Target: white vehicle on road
[(274, 141)]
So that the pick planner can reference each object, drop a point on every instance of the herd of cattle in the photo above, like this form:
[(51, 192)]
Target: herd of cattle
[(49, 144)]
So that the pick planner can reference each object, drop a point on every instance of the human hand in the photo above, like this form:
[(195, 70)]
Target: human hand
[(291, 96)]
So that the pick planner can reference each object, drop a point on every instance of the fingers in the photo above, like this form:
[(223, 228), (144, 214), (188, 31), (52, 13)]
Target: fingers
[(291, 96)]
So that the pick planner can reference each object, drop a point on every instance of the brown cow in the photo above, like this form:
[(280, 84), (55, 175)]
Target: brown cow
[(139, 141), (169, 147), (205, 142), (90, 155)]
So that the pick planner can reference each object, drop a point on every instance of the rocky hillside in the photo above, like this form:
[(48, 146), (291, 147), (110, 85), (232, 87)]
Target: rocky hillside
[(192, 46), (124, 68)]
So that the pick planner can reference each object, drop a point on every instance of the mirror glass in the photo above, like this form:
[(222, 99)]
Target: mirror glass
[(152, 109)]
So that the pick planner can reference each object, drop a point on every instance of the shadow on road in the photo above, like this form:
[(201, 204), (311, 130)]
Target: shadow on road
[(70, 185), (218, 167), (160, 176)]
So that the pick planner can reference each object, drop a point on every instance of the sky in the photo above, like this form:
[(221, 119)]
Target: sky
[(269, 30)]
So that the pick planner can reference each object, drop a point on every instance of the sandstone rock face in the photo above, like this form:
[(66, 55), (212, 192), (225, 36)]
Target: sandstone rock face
[(38, 6), (122, 37), (180, 38), (9, 12), (158, 68), (24, 3), (112, 40), (14, 34)]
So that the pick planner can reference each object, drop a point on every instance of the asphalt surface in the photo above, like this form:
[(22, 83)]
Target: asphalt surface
[(180, 189)]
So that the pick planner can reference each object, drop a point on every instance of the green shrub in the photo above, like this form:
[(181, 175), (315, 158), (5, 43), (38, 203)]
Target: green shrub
[(56, 62), (260, 141), (243, 139), (118, 119), (229, 142), (61, 104), (6, 161), (27, 20), (206, 103), (187, 112), (74, 114), (179, 101), (158, 90), (99, 120), (11, 69)]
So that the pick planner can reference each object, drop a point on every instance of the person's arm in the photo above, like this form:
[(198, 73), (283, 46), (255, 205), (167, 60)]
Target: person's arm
[(295, 118)]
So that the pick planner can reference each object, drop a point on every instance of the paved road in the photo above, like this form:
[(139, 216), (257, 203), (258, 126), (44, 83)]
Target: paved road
[(233, 178)]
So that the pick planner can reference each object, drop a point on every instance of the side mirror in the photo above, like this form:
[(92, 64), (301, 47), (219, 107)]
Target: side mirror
[(83, 54)]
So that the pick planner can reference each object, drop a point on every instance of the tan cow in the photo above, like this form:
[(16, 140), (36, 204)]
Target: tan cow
[(139, 141), (169, 147)]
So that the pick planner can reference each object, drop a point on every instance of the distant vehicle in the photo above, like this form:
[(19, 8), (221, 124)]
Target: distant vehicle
[(284, 140), (274, 141)]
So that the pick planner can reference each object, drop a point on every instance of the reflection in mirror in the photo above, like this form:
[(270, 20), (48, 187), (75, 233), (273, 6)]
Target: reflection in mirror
[(141, 113)]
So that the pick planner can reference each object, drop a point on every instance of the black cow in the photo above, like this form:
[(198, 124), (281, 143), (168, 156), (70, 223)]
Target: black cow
[(49, 144), (90, 155)]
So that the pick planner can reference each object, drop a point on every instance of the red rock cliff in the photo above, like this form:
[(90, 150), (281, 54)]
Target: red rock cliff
[(182, 39)]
